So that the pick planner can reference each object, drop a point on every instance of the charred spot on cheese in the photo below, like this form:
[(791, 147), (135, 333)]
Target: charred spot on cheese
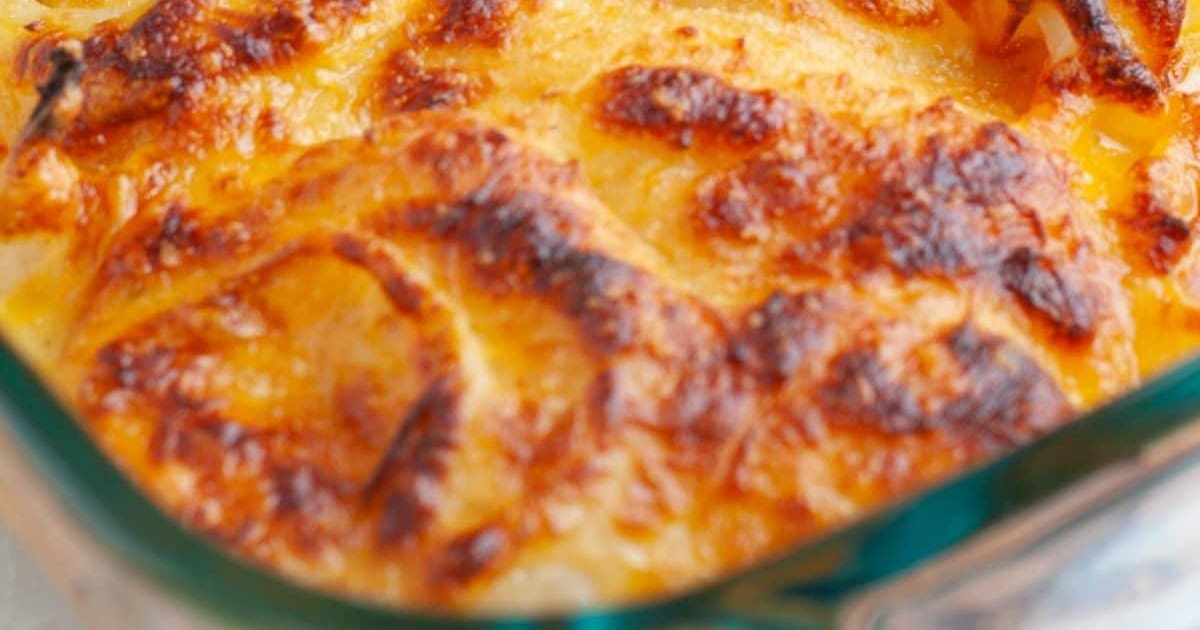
[(178, 46), (299, 488), (1155, 228), (992, 392), (465, 156), (972, 203), (1007, 395), (1157, 237), (958, 214), (484, 22), (1152, 28), (786, 333), (1110, 61), (525, 241), (861, 391), (405, 296), (142, 372), (509, 217), (794, 184), (1038, 282), (180, 236), (408, 86), (469, 555), (1163, 19), (683, 106), (59, 95), (413, 463), (183, 376)]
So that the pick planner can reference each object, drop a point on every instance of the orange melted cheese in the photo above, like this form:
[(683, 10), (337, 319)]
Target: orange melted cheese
[(502, 304)]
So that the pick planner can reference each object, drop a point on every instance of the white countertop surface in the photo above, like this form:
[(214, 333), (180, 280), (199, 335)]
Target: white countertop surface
[(27, 600)]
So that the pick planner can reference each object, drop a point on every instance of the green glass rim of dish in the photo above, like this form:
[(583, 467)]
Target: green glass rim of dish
[(801, 587)]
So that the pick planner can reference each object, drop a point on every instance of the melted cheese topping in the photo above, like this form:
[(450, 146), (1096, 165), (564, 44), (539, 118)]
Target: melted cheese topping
[(495, 304)]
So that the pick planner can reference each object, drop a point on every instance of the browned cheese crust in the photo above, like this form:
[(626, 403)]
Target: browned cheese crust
[(504, 304)]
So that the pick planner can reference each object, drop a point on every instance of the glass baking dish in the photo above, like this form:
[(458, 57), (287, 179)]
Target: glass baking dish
[(120, 559)]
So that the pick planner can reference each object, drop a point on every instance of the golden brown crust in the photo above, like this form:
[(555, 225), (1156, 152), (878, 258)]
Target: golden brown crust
[(964, 207), (680, 104), (175, 369), (1004, 398), (408, 86), (489, 304), (1156, 229), (484, 22), (1110, 61), (177, 46)]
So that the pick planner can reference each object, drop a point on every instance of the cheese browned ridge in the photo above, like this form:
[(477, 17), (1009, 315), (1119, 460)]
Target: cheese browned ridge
[(513, 305)]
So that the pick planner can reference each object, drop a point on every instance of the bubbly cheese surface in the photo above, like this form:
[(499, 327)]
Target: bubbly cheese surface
[(537, 304)]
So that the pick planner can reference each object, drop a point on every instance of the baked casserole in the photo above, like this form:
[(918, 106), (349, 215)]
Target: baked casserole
[(537, 304)]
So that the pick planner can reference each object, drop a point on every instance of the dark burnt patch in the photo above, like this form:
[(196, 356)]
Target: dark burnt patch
[(259, 476), (405, 296), (709, 397), (467, 158), (939, 215), (992, 395), (1039, 284), (1156, 236), (1112, 67), (959, 206), (169, 380), (469, 556), (264, 41), (786, 334), (149, 376), (484, 22), (1152, 230), (370, 451), (1111, 63), (180, 237), (796, 185), (1005, 394), (203, 442), (683, 106), (188, 40), (299, 490), (408, 86), (861, 391), (177, 46), (519, 244), (59, 94), (413, 463), (526, 242), (704, 410)]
